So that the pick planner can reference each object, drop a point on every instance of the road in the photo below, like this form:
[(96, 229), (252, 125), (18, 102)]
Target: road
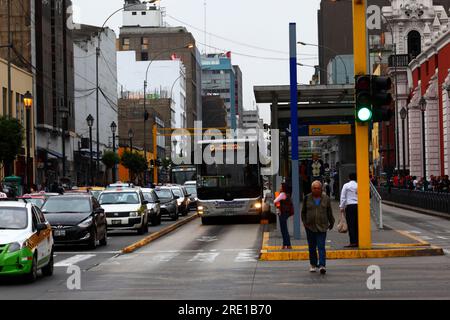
[(220, 262)]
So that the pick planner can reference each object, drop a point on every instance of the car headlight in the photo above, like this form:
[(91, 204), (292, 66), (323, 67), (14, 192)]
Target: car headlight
[(196, 199), (86, 223), (257, 205), (134, 214), (13, 247), (200, 208)]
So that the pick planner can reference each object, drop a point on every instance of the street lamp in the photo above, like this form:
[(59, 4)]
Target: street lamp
[(130, 136), (64, 116), (113, 130), (28, 102), (90, 123), (403, 115), (423, 108), (347, 81), (188, 46)]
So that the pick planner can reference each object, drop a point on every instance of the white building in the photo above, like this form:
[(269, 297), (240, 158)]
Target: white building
[(251, 120), (85, 44)]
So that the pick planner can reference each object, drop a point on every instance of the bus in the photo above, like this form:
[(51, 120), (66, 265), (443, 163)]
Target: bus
[(225, 190), (180, 174)]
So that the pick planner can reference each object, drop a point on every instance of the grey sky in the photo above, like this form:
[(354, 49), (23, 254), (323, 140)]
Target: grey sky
[(260, 23)]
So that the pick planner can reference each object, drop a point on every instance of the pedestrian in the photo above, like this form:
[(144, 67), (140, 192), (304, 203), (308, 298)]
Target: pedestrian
[(327, 187), (2, 194), (284, 212), (349, 207), (317, 217)]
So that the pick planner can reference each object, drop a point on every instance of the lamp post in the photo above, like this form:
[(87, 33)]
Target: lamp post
[(28, 102), (423, 108), (403, 115), (188, 46), (113, 130), (131, 136), (63, 129), (90, 123), (388, 155)]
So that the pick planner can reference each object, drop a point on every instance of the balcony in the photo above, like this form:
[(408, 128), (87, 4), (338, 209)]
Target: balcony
[(399, 61)]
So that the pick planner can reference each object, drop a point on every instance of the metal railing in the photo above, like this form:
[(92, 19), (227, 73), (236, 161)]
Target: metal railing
[(434, 201), (376, 209), (399, 60)]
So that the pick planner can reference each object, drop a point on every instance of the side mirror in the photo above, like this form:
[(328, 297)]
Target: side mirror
[(176, 197), (189, 194), (41, 227), (158, 201), (145, 202)]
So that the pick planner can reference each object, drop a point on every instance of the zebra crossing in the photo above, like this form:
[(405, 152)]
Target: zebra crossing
[(188, 256)]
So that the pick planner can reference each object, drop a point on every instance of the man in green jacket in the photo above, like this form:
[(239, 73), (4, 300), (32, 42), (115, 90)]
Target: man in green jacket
[(317, 217)]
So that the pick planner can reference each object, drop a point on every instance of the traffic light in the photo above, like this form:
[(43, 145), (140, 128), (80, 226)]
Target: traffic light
[(381, 98), (363, 109)]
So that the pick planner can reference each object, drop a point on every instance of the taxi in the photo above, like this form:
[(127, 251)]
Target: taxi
[(26, 241)]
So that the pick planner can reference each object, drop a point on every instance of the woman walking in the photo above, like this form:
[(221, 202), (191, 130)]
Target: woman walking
[(284, 211)]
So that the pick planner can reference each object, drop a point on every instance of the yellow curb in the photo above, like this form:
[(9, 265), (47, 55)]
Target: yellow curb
[(352, 254), (293, 247), (397, 245), (157, 235), (265, 241)]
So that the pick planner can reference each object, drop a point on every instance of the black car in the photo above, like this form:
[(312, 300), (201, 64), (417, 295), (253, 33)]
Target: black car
[(168, 204), (76, 219)]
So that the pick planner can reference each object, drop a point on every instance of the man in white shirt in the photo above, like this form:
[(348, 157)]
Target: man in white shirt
[(349, 207)]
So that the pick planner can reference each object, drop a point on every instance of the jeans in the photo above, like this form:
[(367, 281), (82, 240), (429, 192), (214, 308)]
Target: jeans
[(284, 229), (351, 215), (316, 240)]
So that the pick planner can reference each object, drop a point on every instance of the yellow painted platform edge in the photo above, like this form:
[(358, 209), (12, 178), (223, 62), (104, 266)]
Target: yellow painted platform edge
[(152, 237), (407, 234)]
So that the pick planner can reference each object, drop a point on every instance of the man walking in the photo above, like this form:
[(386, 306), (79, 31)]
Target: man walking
[(349, 207), (317, 217)]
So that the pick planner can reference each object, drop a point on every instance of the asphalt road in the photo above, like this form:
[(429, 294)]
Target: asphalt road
[(220, 262)]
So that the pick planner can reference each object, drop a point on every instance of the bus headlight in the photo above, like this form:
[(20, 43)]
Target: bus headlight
[(200, 208)]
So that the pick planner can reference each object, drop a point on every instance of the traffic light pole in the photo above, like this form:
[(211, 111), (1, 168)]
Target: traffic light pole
[(362, 129)]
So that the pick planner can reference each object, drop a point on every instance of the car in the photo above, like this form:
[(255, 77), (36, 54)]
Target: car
[(119, 185), (126, 209), (154, 205), (191, 188), (76, 219), (95, 191), (169, 206), (26, 241), (183, 199), (36, 199)]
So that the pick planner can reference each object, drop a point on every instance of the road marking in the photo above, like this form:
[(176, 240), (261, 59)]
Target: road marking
[(246, 257), (441, 237), (165, 257), (85, 252), (74, 260), (426, 237), (208, 257), (446, 251), (414, 231), (207, 239)]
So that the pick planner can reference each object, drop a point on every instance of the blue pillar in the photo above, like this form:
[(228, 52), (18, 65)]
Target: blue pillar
[(294, 128)]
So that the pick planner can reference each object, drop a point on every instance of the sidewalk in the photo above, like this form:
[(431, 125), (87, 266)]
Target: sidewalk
[(386, 243)]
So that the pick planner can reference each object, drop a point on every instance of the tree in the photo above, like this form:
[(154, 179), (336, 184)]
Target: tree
[(134, 162), (11, 141), (110, 159)]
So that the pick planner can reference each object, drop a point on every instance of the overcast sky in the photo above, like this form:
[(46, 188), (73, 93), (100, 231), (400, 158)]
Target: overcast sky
[(257, 23)]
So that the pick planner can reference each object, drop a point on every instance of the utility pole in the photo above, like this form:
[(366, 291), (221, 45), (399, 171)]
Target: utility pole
[(9, 60), (362, 129)]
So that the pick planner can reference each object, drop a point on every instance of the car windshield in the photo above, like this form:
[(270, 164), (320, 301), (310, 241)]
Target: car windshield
[(164, 194), (36, 201), (178, 193), (119, 198), (66, 205), (150, 197), (191, 189), (13, 218), (96, 193)]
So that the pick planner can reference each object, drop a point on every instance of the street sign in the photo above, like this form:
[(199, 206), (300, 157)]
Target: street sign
[(330, 130)]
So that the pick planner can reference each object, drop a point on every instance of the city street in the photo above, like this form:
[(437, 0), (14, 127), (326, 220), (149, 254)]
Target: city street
[(220, 262)]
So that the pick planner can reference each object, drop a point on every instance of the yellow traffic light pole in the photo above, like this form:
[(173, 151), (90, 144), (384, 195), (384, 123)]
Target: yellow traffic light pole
[(362, 129)]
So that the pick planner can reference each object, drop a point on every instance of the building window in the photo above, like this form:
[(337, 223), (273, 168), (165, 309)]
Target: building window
[(144, 56), (414, 44), (126, 43), (144, 43), (134, 13), (17, 105), (427, 68), (144, 13)]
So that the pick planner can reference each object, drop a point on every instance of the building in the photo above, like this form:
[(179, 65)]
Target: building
[(145, 33), (45, 46), (238, 95), (214, 112), (419, 66), (251, 120), (85, 45), (221, 78), (22, 81)]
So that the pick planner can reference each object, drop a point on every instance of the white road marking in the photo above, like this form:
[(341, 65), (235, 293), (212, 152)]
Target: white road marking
[(443, 238), (74, 260), (446, 251), (207, 239), (95, 253), (165, 257), (414, 231), (208, 257), (426, 237), (246, 257)]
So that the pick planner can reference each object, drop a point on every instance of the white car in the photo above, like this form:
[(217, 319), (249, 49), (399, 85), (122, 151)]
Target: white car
[(126, 209), (26, 241)]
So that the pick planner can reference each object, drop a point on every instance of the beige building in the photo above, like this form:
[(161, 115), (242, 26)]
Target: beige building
[(21, 82)]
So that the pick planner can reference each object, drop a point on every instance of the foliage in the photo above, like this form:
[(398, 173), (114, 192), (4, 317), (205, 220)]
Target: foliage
[(134, 162), (11, 139), (110, 159)]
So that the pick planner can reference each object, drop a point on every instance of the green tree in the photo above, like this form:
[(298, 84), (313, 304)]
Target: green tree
[(110, 159), (134, 162), (11, 141)]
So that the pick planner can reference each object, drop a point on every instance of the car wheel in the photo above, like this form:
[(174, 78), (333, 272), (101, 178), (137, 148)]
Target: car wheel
[(48, 269), (154, 220), (175, 215), (104, 240), (159, 219), (143, 229), (32, 276), (92, 244)]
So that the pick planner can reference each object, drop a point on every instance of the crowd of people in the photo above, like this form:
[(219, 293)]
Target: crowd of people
[(434, 184)]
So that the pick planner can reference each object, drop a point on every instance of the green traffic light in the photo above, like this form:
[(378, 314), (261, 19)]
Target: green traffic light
[(364, 114)]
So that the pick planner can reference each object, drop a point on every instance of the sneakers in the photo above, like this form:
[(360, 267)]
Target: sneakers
[(312, 269), (322, 270)]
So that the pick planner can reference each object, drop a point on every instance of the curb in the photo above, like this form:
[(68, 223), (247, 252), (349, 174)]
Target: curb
[(157, 235), (415, 209)]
